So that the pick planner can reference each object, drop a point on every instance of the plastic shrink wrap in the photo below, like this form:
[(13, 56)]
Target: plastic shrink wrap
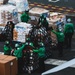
[(20, 31), (21, 5), (8, 13)]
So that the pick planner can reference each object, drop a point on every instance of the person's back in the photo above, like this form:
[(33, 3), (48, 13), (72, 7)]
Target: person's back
[(45, 23), (41, 18), (68, 31), (25, 17), (69, 28)]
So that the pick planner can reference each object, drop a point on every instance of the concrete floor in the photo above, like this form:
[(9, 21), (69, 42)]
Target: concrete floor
[(66, 3)]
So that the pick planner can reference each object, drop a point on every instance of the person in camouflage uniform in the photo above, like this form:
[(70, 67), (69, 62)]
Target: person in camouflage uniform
[(41, 55)]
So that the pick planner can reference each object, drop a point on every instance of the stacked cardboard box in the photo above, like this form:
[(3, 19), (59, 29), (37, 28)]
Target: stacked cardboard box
[(8, 65), (20, 32), (53, 20), (15, 34), (21, 5), (36, 12), (7, 15)]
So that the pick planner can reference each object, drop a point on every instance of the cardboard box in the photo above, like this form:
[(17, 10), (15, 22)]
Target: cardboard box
[(13, 64), (2, 57), (8, 15), (20, 31), (35, 11), (4, 67), (53, 37), (8, 65)]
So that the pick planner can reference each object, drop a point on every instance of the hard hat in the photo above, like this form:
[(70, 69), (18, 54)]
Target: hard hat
[(26, 43), (41, 44), (16, 45), (68, 20), (27, 39), (6, 42), (42, 16), (9, 22), (31, 44), (27, 10), (60, 29)]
